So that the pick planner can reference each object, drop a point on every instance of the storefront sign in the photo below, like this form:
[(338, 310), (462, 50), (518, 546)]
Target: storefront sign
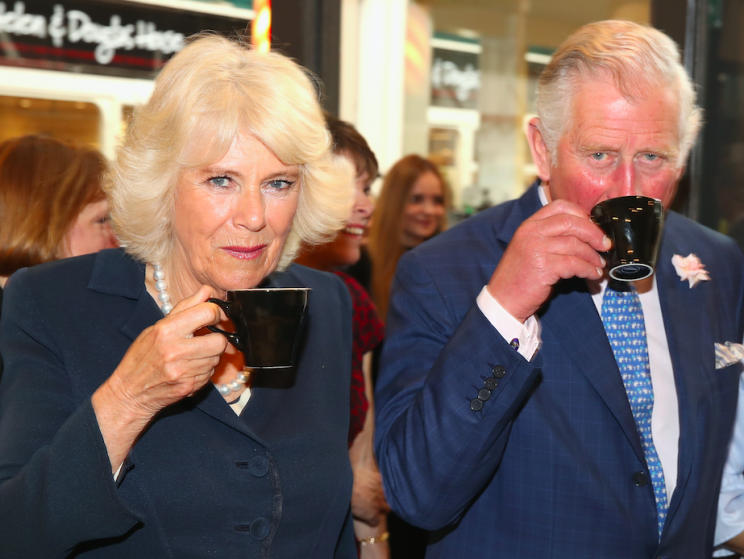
[(122, 39), (455, 79)]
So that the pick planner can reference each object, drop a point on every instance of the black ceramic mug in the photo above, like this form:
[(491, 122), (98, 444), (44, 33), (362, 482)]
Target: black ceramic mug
[(634, 224), (268, 324)]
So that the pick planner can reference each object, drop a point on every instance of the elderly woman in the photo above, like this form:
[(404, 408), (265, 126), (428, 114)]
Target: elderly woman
[(114, 441)]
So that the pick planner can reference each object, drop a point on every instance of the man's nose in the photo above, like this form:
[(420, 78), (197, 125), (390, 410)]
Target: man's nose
[(626, 180)]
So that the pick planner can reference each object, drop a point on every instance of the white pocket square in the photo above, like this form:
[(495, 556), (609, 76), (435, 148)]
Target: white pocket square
[(728, 353)]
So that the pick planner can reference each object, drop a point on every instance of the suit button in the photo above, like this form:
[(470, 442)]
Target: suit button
[(258, 466), (260, 528), (498, 371), (484, 394), (476, 404), (491, 383), (640, 479)]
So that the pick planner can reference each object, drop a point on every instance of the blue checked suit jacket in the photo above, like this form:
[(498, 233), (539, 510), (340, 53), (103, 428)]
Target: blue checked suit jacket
[(546, 468)]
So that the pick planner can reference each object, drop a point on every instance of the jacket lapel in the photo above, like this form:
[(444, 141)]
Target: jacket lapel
[(691, 348), (116, 274), (576, 326), (268, 386)]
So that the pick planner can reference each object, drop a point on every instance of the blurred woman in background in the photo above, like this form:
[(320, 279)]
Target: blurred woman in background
[(410, 209), (368, 503), (51, 204)]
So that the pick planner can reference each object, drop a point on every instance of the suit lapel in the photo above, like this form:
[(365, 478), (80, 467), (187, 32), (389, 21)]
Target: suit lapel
[(690, 346), (574, 323), (571, 318)]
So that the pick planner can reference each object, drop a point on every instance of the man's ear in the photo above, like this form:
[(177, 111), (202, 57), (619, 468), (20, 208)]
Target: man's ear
[(540, 154)]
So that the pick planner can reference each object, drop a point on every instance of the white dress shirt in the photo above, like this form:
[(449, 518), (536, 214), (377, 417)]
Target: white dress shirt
[(665, 415)]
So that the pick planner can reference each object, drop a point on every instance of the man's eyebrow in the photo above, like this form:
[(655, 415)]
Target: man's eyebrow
[(602, 148)]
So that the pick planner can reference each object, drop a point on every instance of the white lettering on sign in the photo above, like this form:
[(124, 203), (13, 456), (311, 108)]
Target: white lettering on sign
[(75, 26), (446, 74), (18, 22)]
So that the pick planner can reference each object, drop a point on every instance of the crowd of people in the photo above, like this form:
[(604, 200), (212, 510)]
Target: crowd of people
[(483, 390)]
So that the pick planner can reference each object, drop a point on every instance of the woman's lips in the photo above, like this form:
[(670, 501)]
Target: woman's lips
[(245, 253)]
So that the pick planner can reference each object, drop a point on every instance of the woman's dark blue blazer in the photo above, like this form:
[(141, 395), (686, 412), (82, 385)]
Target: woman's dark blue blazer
[(200, 481)]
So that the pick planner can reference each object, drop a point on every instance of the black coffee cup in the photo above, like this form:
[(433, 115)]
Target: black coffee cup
[(268, 324), (634, 224)]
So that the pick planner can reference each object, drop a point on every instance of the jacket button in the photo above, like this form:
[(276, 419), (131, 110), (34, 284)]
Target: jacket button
[(476, 404), (258, 466), (491, 383), (260, 528), (484, 394), (498, 371), (640, 479)]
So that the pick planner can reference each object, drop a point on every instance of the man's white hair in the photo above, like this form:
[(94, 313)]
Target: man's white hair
[(637, 57)]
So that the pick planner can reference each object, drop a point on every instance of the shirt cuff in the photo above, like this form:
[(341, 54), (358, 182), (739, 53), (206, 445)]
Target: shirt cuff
[(525, 338)]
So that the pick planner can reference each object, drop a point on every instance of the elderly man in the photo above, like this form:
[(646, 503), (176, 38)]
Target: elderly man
[(504, 423)]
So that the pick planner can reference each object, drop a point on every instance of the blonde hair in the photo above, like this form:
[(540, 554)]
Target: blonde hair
[(385, 247), (44, 186), (635, 56), (205, 96)]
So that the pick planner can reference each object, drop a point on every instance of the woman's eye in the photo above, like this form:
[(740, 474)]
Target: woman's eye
[(220, 182), (103, 220), (417, 199), (280, 184)]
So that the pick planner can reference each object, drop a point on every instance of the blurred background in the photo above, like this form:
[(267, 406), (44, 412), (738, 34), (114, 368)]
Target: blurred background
[(451, 80)]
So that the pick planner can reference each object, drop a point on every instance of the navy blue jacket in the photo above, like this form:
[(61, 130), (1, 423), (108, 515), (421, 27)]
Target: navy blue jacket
[(201, 481), (546, 468)]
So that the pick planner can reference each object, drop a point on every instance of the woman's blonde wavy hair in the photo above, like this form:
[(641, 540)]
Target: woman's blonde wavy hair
[(205, 96)]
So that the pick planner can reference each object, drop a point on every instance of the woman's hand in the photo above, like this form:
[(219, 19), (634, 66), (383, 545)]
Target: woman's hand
[(367, 499), (165, 364)]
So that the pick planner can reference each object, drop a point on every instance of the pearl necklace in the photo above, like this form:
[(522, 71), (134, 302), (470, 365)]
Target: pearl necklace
[(164, 297)]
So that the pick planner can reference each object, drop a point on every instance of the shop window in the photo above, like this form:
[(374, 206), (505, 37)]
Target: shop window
[(71, 121), (497, 49)]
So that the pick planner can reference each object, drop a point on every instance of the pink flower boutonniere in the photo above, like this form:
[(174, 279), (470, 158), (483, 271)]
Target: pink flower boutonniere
[(690, 268)]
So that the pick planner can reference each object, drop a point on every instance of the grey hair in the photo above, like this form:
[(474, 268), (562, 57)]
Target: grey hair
[(209, 93), (635, 56)]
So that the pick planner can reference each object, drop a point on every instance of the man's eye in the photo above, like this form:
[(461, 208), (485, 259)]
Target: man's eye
[(599, 156), (650, 156), (221, 182)]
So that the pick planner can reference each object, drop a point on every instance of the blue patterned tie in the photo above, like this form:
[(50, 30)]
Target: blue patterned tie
[(622, 317)]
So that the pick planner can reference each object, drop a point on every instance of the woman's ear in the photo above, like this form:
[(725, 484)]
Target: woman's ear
[(540, 153)]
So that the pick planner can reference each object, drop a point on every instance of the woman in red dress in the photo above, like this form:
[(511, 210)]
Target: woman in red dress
[(368, 503)]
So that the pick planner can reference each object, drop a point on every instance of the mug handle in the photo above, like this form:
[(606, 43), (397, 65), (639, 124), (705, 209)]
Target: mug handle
[(227, 307)]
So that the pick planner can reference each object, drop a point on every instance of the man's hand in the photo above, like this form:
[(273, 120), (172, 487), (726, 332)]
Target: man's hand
[(557, 242)]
